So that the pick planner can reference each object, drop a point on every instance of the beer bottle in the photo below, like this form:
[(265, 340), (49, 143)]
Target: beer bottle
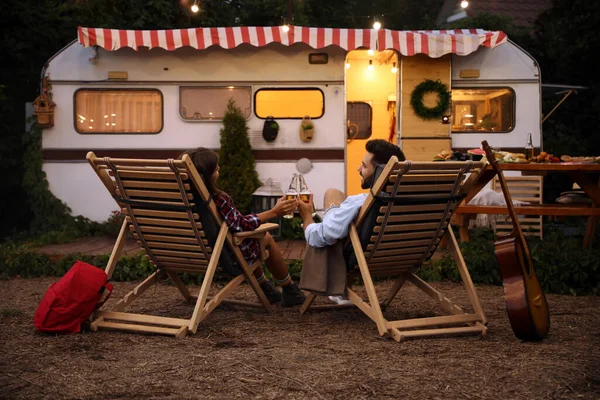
[(305, 192), (529, 150), (291, 192)]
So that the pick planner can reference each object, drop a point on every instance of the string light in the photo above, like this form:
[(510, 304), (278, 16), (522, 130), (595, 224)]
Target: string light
[(376, 25), (464, 4), (370, 67), (347, 65), (195, 7), (394, 69), (370, 52)]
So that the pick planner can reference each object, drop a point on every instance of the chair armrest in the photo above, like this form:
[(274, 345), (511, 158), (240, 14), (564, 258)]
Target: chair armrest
[(258, 233)]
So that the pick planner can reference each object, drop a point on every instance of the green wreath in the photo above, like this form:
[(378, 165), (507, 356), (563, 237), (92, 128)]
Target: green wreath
[(429, 113)]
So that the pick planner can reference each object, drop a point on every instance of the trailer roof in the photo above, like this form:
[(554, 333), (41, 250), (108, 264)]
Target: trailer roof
[(408, 43)]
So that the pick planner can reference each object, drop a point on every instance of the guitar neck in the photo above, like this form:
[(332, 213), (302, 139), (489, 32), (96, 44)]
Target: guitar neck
[(517, 231)]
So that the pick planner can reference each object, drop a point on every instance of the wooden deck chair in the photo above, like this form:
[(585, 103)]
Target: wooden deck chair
[(397, 229), (174, 220), (523, 188)]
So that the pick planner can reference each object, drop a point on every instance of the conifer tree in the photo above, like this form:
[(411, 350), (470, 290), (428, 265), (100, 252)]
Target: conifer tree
[(237, 176)]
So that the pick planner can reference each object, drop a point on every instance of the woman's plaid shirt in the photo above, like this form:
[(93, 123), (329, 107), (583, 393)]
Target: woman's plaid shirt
[(238, 222)]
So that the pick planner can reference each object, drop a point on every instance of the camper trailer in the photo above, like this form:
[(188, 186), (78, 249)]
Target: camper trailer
[(153, 94)]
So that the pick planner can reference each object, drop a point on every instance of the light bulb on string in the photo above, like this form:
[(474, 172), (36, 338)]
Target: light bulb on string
[(195, 7), (394, 69), (285, 28), (376, 25), (370, 52), (464, 4), (347, 65)]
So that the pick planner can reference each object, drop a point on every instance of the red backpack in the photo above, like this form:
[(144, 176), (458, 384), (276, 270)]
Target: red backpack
[(69, 302)]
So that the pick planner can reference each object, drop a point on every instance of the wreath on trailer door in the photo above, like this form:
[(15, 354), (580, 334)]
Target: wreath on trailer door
[(427, 86)]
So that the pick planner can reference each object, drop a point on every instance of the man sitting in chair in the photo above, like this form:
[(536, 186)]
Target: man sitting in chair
[(342, 210)]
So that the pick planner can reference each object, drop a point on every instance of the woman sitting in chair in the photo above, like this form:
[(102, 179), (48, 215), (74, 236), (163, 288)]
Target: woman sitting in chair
[(207, 163)]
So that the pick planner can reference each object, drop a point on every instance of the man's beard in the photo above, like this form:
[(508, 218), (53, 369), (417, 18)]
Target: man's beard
[(367, 182)]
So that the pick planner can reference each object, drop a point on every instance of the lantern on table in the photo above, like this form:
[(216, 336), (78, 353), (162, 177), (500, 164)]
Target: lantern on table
[(264, 198)]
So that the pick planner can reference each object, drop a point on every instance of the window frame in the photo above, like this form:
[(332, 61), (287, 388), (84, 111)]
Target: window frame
[(219, 120), (514, 109), (162, 109), (370, 118), (288, 88)]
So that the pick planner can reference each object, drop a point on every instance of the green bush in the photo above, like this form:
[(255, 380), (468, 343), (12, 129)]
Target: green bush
[(238, 176), (562, 266)]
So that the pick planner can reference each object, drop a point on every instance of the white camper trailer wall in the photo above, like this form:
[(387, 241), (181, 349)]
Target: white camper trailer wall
[(183, 66)]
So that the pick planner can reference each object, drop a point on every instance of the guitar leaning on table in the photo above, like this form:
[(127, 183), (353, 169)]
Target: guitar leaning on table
[(525, 301)]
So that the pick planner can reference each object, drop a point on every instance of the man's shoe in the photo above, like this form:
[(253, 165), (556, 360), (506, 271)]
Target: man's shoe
[(341, 300), (272, 294), (292, 296)]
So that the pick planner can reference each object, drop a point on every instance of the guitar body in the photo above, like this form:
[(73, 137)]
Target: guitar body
[(525, 301)]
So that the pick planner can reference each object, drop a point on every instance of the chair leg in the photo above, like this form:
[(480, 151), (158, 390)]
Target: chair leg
[(377, 315), (307, 302), (391, 294), (117, 249), (181, 286), (464, 274), (208, 278)]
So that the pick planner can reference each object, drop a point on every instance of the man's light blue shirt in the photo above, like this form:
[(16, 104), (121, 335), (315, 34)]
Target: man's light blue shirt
[(336, 222)]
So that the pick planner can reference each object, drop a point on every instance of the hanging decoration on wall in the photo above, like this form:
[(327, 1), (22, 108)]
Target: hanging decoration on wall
[(430, 113), (307, 129)]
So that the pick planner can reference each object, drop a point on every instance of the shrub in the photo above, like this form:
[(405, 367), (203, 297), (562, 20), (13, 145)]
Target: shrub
[(238, 176)]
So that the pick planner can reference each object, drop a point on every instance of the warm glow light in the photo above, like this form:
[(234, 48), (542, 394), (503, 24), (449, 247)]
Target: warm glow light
[(113, 124), (347, 65), (91, 120), (107, 124), (230, 87), (370, 67), (195, 8), (91, 127), (370, 52), (464, 4), (376, 25), (106, 116), (285, 28), (81, 116), (114, 115), (394, 69)]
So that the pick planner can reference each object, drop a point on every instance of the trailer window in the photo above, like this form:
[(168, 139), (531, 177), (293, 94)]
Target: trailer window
[(360, 117), (210, 103), (483, 110), (117, 111), (289, 103)]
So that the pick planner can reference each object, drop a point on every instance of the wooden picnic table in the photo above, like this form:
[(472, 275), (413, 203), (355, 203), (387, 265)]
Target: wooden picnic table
[(586, 175)]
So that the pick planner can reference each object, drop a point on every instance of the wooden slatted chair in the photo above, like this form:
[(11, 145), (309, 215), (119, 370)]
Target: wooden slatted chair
[(174, 220), (522, 188), (398, 228)]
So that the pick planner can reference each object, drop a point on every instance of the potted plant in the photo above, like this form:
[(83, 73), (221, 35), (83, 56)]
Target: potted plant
[(307, 129)]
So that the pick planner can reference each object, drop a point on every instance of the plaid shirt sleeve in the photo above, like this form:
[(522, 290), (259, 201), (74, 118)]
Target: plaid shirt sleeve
[(233, 218)]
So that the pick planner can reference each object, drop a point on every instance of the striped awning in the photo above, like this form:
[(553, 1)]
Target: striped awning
[(408, 43)]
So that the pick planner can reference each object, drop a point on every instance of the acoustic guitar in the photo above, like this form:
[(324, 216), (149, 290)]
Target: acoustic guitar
[(525, 301)]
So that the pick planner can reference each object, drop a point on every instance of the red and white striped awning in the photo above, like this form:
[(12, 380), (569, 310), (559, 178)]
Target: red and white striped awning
[(408, 43)]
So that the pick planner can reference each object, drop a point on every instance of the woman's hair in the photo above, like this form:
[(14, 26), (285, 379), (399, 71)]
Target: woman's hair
[(205, 161)]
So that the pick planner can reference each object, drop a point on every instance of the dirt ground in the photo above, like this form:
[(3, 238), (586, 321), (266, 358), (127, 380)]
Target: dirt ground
[(246, 353)]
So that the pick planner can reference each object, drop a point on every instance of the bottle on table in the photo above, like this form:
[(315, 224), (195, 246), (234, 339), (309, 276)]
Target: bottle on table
[(529, 150)]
